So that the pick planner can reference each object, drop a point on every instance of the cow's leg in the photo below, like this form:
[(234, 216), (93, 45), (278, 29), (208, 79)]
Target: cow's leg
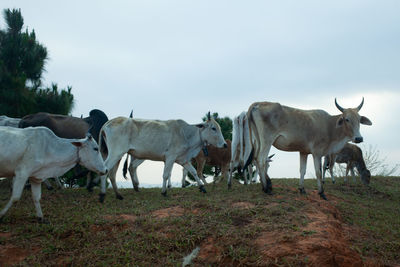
[(36, 196), (166, 175), (325, 166), (111, 176), (262, 165), (58, 182), (200, 168), (110, 162), (352, 173), (303, 168), (193, 172), (184, 174), (133, 172), (48, 184), (318, 173), (230, 174), (19, 182)]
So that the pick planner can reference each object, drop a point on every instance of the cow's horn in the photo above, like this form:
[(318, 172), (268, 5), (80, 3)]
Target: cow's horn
[(209, 116), (338, 106), (360, 106)]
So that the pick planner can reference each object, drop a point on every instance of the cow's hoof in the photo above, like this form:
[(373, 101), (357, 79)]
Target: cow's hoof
[(322, 195), (323, 181), (42, 220), (89, 189), (136, 188), (268, 191), (302, 191), (229, 186), (50, 188), (102, 196), (119, 197), (333, 182), (164, 193), (202, 189)]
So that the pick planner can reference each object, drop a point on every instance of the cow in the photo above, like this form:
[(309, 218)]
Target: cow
[(13, 122), (353, 157), (36, 153), (239, 133), (68, 127), (306, 131), (217, 157), (172, 141), (7, 121)]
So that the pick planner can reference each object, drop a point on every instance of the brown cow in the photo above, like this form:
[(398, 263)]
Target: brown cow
[(217, 157), (353, 157), (306, 131)]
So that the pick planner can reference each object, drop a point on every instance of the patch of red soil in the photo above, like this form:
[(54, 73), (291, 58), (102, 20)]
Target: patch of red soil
[(243, 205), (168, 212), (11, 255), (209, 252), (322, 242), (5, 235), (128, 217)]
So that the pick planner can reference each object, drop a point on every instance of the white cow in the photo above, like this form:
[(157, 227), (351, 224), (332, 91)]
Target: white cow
[(7, 121), (241, 137), (13, 122), (306, 131), (37, 153), (172, 141)]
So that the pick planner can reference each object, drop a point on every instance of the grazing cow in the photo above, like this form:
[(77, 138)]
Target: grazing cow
[(353, 157), (172, 141), (307, 131), (37, 153), (217, 157), (7, 121), (68, 127)]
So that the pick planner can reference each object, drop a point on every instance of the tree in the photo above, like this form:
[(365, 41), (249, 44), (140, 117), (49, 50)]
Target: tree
[(22, 62)]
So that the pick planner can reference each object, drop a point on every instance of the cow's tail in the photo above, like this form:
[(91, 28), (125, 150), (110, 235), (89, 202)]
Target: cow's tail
[(247, 139), (235, 138), (241, 132), (125, 168)]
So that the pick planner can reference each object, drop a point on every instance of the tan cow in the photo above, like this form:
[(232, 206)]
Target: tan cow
[(353, 157), (306, 131), (172, 141), (216, 157)]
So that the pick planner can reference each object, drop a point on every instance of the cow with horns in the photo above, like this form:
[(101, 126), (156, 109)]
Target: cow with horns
[(306, 131)]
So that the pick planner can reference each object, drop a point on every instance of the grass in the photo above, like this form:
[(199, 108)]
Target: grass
[(83, 232)]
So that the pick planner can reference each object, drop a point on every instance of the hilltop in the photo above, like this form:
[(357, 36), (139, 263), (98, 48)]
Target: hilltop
[(358, 225)]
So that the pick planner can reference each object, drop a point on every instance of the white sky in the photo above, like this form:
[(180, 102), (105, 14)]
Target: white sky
[(180, 59)]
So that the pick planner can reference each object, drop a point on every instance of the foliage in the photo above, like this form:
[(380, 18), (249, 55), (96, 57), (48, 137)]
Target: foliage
[(22, 63)]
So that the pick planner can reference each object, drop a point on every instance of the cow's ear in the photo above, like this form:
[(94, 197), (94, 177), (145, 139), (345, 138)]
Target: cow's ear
[(200, 125), (365, 120), (77, 144), (339, 122)]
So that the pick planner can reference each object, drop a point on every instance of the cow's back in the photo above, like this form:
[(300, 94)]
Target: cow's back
[(62, 126)]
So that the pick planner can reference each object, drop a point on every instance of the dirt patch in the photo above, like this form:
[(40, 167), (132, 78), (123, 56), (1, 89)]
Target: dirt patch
[(168, 212), (322, 242), (11, 255), (5, 235), (209, 252), (243, 205)]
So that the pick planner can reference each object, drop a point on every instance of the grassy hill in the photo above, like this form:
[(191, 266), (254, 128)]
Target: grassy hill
[(358, 225)]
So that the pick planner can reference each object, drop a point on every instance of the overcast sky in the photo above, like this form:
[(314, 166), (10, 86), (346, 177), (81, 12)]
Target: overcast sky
[(179, 59)]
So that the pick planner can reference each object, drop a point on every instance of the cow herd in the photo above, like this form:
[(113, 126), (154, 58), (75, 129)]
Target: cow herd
[(43, 145)]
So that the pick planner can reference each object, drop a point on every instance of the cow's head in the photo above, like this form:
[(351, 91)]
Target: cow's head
[(89, 155), (210, 133), (350, 122), (365, 176)]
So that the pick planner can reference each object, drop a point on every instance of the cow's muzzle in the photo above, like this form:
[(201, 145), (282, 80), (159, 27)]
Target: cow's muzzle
[(358, 140), (225, 145)]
